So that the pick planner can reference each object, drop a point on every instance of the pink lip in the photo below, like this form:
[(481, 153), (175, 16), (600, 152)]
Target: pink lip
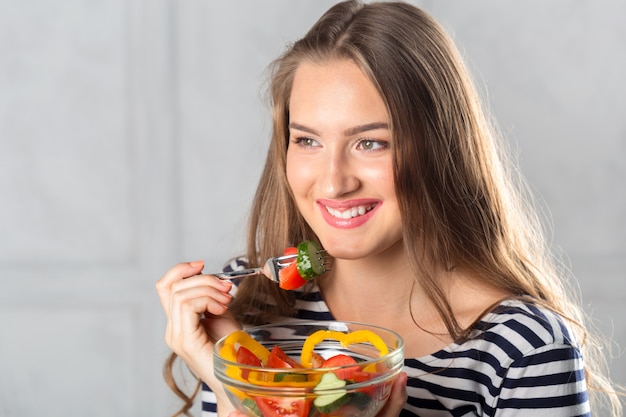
[(345, 205)]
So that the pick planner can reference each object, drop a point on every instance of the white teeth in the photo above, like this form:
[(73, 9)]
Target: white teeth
[(350, 213)]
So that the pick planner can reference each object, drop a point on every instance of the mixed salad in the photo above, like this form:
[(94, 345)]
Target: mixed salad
[(308, 265), (323, 378)]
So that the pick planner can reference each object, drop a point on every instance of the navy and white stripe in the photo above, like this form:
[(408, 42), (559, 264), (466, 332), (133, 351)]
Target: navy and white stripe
[(522, 360)]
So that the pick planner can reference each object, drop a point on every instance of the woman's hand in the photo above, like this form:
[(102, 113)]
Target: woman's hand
[(397, 399), (197, 316)]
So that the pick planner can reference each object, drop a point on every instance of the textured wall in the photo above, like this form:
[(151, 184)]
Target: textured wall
[(132, 135), (87, 219)]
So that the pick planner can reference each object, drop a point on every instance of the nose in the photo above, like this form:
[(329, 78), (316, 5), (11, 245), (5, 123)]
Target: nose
[(339, 176)]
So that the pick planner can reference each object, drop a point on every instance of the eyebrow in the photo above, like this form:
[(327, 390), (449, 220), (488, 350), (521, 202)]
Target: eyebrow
[(348, 132)]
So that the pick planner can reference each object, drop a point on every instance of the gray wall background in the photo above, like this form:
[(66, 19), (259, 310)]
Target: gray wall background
[(132, 134)]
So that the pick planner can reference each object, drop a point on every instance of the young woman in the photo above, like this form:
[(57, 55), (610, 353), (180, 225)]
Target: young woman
[(382, 153)]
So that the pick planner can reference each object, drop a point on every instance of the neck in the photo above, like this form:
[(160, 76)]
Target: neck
[(375, 289), (379, 290)]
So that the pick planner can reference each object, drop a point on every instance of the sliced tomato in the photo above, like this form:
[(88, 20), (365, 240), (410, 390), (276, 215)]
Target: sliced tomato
[(283, 407), (246, 357), (289, 278), (279, 359), (342, 360), (362, 376), (291, 250), (316, 360)]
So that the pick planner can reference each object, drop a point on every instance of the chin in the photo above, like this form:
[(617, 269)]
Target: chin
[(344, 249)]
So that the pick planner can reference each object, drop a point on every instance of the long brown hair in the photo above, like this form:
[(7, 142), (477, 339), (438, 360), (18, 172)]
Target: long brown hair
[(456, 188)]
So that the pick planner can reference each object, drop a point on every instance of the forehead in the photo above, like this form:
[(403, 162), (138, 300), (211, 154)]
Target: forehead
[(333, 91)]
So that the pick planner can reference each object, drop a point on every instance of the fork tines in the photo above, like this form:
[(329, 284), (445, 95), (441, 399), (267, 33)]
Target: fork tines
[(284, 260)]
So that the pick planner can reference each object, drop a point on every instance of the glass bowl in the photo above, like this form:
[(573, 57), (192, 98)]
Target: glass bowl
[(357, 387)]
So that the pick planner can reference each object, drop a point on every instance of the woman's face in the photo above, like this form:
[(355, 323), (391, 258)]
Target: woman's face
[(339, 160)]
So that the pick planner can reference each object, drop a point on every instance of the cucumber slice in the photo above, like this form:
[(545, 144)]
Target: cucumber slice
[(308, 262), (251, 405), (328, 403), (360, 400), (290, 377)]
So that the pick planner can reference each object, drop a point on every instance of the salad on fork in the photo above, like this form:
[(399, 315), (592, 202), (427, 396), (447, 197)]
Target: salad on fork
[(292, 270)]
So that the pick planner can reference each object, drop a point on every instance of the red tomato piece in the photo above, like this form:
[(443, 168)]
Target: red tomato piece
[(363, 376), (316, 360), (289, 278), (246, 357), (339, 360), (291, 250), (283, 407), (279, 359), (342, 360)]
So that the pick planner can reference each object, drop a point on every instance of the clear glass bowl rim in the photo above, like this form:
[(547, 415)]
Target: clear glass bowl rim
[(391, 356)]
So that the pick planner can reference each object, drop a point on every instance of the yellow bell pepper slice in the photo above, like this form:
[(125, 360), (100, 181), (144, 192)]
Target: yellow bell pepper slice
[(241, 338), (229, 352), (346, 339)]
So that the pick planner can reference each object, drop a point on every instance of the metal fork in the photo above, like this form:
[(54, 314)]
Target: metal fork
[(273, 266)]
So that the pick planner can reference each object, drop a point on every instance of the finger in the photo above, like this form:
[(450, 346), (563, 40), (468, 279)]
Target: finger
[(212, 295), (187, 334), (397, 399), (201, 280), (218, 327), (189, 321), (201, 299), (188, 306), (177, 273)]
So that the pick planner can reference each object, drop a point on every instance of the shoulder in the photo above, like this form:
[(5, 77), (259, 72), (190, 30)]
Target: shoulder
[(521, 358), (520, 328)]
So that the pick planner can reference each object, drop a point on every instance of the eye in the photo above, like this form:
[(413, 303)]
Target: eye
[(305, 142), (371, 145)]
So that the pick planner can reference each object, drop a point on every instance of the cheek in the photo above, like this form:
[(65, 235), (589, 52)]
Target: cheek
[(289, 169), (381, 174), (294, 175)]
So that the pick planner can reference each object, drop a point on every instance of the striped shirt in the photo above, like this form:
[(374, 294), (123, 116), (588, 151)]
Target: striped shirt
[(523, 360)]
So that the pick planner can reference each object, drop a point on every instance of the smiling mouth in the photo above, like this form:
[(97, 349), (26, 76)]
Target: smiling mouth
[(351, 212)]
